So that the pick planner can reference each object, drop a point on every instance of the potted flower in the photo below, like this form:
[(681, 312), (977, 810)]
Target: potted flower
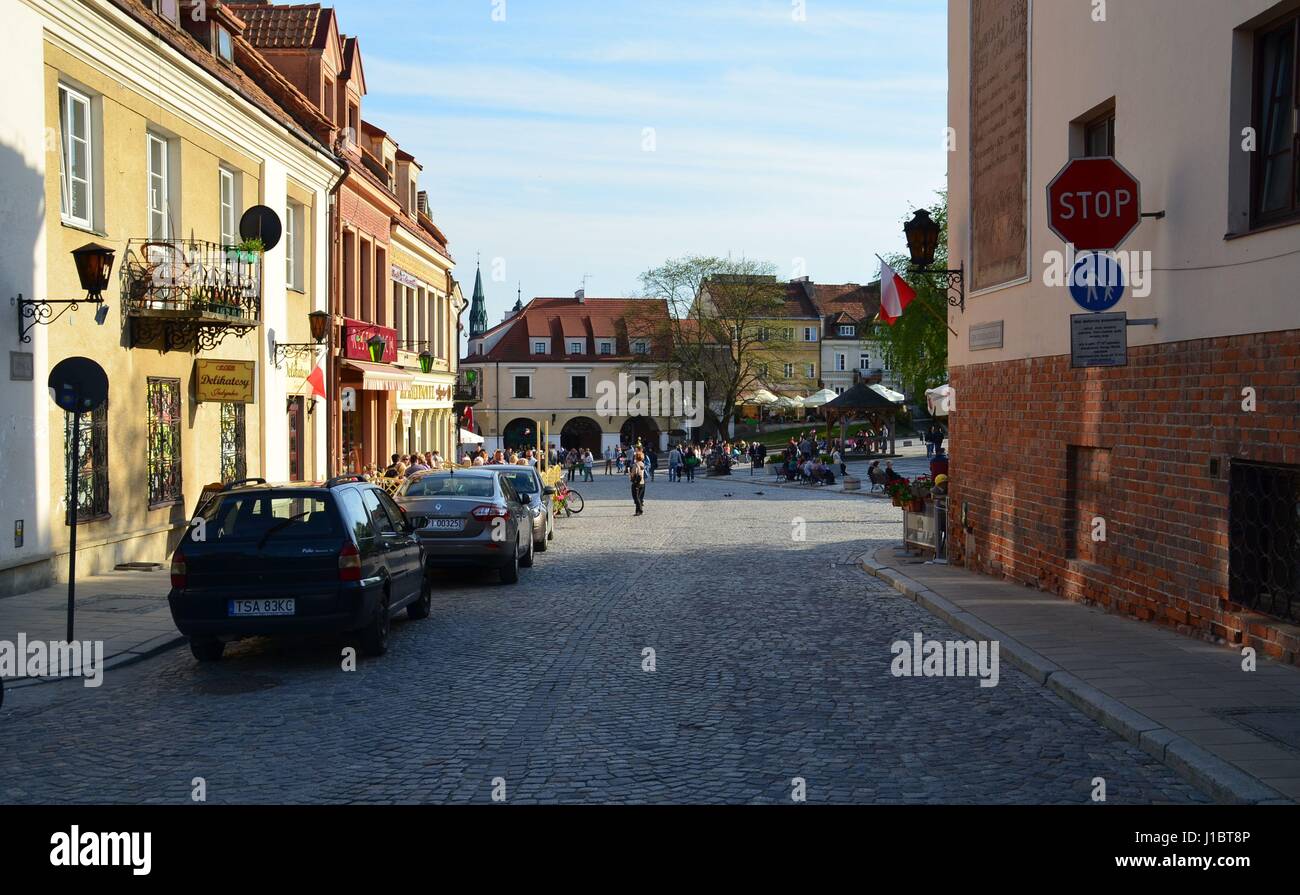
[(901, 492)]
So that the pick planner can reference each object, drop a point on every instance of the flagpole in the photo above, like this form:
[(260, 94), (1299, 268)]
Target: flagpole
[(924, 304)]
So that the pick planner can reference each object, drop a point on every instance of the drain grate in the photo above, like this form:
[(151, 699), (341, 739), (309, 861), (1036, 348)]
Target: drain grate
[(1282, 725), (121, 604)]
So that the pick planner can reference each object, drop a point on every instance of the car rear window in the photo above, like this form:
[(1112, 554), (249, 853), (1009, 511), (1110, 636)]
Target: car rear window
[(450, 486), (523, 482), (261, 514)]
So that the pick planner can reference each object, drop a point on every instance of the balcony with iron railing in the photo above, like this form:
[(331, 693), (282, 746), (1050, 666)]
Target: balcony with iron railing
[(189, 294)]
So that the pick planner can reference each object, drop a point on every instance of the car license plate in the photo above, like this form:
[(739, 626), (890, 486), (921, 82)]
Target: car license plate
[(262, 607), (447, 524)]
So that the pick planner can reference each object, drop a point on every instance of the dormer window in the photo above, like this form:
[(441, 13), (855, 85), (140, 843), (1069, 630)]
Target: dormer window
[(169, 10), (640, 346), (606, 346), (225, 44), (848, 330), (539, 348), (577, 348)]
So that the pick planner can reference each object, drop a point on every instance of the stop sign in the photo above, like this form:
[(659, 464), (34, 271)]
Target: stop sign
[(1094, 203)]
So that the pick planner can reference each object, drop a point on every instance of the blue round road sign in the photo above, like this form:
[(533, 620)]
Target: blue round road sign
[(1097, 282)]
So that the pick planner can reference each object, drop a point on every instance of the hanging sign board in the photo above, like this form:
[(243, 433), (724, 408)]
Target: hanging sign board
[(225, 381)]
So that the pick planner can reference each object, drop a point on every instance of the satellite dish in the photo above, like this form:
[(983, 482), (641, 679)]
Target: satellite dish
[(260, 222), (78, 385)]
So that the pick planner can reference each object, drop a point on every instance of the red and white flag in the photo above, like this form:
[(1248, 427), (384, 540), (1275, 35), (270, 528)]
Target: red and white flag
[(895, 294), (317, 382), (469, 419)]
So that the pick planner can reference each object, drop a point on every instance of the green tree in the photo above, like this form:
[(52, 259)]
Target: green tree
[(721, 328), (916, 346)]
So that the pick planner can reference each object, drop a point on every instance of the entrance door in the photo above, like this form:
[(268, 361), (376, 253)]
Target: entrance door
[(297, 426)]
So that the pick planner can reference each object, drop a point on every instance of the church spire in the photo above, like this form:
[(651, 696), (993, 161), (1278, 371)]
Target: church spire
[(478, 320)]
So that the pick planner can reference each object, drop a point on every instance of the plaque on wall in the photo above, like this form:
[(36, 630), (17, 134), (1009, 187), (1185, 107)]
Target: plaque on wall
[(984, 336), (999, 142)]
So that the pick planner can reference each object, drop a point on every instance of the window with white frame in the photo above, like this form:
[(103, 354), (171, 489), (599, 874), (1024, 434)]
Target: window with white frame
[(810, 334), (864, 361), (576, 347), (169, 9), (76, 180), (640, 346), (841, 362), (848, 329), (225, 45), (788, 371), (812, 371), (539, 348), (577, 386), (293, 246), (523, 386), (160, 223), (229, 206), (606, 346)]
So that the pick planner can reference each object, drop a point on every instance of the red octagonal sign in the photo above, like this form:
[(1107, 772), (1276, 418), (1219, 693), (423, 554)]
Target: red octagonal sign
[(1094, 203)]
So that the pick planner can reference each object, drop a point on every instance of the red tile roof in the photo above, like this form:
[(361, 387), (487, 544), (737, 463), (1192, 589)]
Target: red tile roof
[(554, 318), (285, 26)]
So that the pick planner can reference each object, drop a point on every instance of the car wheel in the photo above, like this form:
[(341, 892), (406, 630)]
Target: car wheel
[(421, 607), (527, 561), (207, 649), (510, 571), (374, 637)]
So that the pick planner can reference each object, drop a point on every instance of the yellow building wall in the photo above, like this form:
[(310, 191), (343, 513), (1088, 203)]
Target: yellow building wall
[(134, 532)]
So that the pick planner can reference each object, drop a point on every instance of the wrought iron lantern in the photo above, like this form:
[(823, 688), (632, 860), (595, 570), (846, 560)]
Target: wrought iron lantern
[(426, 362), (319, 322), (94, 268), (922, 233), (377, 346)]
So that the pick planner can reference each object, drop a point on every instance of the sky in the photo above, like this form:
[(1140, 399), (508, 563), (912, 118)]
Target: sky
[(564, 139)]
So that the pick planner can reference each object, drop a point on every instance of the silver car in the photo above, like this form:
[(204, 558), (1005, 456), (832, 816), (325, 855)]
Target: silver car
[(527, 482), (469, 518)]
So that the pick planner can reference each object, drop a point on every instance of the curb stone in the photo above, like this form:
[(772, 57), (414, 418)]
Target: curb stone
[(1221, 780)]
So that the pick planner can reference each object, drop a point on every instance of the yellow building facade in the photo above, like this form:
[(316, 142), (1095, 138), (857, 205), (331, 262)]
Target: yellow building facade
[(153, 145)]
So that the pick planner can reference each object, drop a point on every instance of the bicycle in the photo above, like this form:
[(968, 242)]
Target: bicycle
[(567, 500)]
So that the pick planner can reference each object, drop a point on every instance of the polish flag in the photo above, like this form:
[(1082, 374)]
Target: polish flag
[(895, 294), (317, 382)]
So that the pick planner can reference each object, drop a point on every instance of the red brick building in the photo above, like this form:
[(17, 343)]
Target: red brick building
[(1166, 487)]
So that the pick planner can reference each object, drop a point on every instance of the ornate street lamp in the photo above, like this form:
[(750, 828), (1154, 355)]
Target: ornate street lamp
[(426, 362), (94, 268), (922, 233), (377, 347), (319, 322)]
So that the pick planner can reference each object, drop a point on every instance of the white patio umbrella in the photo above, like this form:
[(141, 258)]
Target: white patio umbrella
[(468, 437), (793, 402), (888, 393), (825, 396), (761, 397), (941, 400)]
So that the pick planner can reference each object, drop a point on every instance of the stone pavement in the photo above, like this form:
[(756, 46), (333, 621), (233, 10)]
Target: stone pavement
[(1184, 701), (772, 661), (126, 610)]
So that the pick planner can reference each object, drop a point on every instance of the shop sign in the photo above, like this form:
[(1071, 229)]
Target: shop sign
[(225, 381), (357, 336)]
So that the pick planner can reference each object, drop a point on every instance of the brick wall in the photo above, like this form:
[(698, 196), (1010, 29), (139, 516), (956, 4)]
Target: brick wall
[(1040, 449)]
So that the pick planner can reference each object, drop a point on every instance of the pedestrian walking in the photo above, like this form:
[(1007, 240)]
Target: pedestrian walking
[(689, 462), (609, 459), (651, 462), (675, 464), (636, 475), (587, 461)]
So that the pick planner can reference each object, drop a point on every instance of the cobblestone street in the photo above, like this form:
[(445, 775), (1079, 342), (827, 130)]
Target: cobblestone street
[(772, 663)]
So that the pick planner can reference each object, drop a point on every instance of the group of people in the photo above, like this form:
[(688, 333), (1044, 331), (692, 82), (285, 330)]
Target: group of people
[(401, 465)]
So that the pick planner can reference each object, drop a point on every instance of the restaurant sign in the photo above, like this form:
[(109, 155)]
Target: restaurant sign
[(225, 381), (357, 336)]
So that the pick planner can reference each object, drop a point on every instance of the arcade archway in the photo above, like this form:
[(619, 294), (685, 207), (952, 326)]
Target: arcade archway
[(640, 428), (581, 432), (520, 434)]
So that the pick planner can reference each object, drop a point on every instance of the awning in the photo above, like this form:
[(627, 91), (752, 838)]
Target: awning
[(468, 437), (380, 377)]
